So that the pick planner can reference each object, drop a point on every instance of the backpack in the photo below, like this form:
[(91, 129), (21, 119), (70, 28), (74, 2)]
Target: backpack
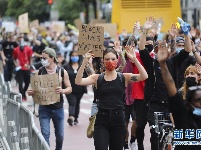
[(42, 70), (120, 76)]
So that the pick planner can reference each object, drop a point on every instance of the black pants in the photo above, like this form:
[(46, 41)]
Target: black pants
[(23, 76), (8, 69), (109, 129), (74, 104), (141, 111), (155, 107)]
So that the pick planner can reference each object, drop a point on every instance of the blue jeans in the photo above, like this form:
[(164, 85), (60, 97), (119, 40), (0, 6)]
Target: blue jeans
[(57, 116)]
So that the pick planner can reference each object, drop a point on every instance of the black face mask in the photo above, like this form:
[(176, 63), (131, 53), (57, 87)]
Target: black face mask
[(150, 47), (190, 81)]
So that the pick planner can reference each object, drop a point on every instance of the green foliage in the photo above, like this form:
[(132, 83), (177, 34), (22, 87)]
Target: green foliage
[(3, 7), (69, 9), (37, 9)]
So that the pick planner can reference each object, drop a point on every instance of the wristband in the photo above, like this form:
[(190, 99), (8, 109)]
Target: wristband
[(194, 51)]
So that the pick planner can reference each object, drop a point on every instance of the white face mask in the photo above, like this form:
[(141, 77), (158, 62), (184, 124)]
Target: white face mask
[(45, 63), (178, 49)]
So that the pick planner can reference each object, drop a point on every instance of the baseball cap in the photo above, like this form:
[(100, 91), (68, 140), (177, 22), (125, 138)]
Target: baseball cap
[(51, 52)]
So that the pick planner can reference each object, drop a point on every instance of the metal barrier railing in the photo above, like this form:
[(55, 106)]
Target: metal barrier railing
[(3, 142), (17, 127)]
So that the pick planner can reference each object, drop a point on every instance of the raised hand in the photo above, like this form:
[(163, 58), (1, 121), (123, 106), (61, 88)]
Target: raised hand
[(136, 28), (149, 23), (163, 53), (117, 47), (173, 32), (87, 56), (130, 53)]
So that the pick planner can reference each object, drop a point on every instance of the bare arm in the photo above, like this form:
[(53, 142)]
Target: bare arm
[(67, 83), (118, 49), (89, 80), (167, 78), (88, 69), (142, 72), (123, 63), (147, 25), (187, 45)]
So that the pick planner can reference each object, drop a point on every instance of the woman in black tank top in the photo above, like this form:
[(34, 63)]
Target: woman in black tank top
[(109, 129)]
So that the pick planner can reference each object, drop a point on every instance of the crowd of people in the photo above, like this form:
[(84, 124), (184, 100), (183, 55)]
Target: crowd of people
[(137, 76)]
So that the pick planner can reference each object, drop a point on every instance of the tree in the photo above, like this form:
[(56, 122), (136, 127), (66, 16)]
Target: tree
[(37, 9), (69, 9), (3, 6)]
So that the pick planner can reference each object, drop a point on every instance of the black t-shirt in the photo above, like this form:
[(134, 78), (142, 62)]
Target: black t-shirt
[(72, 75), (39, 49), (155, 89), (8, 48), (184, 119)]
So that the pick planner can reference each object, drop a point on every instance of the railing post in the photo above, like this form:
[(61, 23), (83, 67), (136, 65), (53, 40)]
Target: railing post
[(14, 137)]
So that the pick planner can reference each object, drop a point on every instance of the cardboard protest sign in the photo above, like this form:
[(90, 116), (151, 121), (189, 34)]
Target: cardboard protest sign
[(58, 26), (111, 28), (44, 88), (95, 21), (91, 38), (78, 22), (23, 23), (34, 24)]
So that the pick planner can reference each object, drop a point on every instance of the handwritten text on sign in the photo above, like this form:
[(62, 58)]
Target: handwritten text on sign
[(44, 89), (91, 38)]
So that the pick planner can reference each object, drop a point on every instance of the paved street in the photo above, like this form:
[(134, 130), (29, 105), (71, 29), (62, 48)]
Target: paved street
[(75, 136)]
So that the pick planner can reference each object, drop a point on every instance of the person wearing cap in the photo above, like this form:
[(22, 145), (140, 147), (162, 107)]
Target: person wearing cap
[(53, 111), (106, 39), (155, 94), (22, 56)]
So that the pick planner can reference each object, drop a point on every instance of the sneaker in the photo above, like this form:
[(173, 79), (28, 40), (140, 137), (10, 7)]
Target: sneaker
[(133, 146), (70, 121), (75, 121)]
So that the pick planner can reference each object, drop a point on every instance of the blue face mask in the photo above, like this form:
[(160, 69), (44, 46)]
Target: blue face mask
[(74, 58), (178, 49), (197, 111)]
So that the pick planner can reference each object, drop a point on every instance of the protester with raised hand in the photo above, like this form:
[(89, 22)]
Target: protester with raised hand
[(188, 116), (155, 95), (109, 129)]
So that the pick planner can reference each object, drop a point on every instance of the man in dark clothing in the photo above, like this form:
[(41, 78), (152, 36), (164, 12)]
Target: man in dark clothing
[(8, 46), (155, 90)]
